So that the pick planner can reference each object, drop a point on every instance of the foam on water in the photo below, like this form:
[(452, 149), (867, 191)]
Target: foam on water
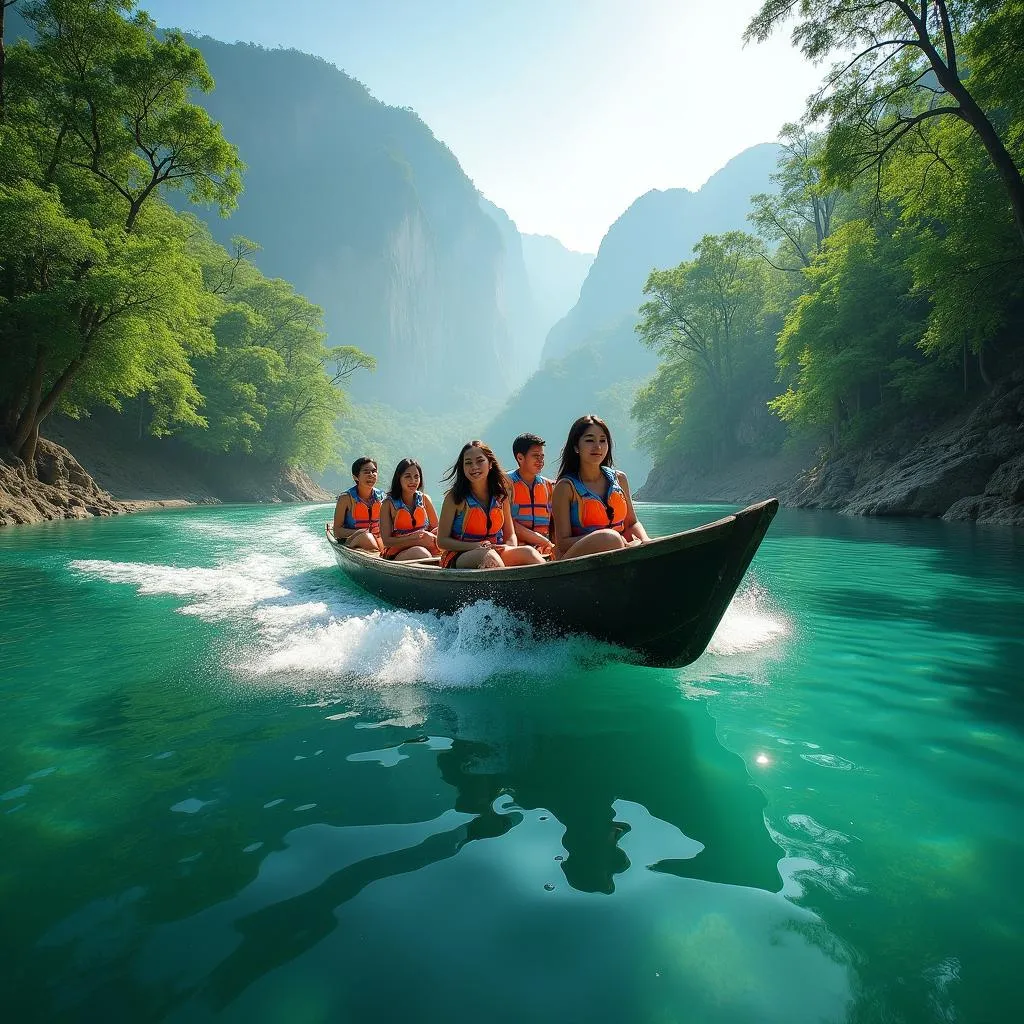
[(748, 624), (310, 626)]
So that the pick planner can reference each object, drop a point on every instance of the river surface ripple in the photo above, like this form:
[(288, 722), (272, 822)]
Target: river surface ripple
[(234, 788)]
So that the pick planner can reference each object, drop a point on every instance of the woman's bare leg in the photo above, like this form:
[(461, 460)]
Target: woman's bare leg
[(479, 558), (408, 554), (522, 555), (595, 543), (363, 541)]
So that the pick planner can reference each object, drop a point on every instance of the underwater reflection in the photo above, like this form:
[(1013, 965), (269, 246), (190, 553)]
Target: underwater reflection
[(577, 747)]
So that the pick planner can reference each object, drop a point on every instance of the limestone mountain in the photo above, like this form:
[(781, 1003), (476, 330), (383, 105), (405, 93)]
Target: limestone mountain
[(556, 275), (541, 284), (659, 229), (369, 215)]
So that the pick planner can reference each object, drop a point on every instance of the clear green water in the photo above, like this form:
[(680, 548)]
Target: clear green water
[(232, 789)]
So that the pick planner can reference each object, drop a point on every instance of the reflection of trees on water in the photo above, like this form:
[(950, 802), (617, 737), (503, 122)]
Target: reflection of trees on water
[(576, 748)]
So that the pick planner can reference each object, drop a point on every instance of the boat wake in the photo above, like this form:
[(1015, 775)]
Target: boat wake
[(291, 618)]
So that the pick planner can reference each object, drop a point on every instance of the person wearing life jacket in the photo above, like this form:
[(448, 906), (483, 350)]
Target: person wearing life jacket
[(408, 522), (531, 494), (591, 506), (357, 514), (475, 530)]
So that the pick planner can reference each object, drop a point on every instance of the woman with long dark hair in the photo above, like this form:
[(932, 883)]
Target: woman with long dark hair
[(475, 530), (591, 506), (408, 522)]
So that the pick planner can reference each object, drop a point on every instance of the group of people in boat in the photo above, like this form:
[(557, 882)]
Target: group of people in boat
[(490, 519)]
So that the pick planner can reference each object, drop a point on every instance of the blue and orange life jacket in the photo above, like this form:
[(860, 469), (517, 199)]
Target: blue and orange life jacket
[(588, 512), (364, 515), (405, 520), (531, 503), (472, 523)]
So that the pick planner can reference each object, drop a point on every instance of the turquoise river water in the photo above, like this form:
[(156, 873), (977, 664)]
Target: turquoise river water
[(232, 788)]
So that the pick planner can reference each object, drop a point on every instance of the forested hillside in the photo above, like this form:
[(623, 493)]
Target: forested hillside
[(112, 298), (371, 216), (883, 290)]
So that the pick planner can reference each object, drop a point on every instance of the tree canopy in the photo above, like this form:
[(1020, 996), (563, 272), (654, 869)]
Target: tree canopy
[(108, 294), (891, 282)]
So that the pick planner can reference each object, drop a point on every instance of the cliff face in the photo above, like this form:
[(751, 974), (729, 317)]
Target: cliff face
[(970, 467), (365, 212), (659, 230)]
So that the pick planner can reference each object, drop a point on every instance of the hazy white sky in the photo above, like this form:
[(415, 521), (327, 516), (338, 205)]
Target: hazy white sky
[(561, 111)]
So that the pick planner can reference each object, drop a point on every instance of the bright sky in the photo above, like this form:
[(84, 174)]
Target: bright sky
[(561, 111)]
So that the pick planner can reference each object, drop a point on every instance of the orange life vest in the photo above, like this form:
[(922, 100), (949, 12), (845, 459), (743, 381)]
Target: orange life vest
[(364, 515), (531, 503), (406, 520), (472, 523), (589, 512)]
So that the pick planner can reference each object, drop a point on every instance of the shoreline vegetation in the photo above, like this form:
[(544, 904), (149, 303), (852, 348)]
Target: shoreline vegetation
[(861, 349), (875, 312), (969, 467), (92, 467), (112, 299)]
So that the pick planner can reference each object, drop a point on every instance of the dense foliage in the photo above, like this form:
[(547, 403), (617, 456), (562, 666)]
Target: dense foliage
[(887, 276), (106, 292)]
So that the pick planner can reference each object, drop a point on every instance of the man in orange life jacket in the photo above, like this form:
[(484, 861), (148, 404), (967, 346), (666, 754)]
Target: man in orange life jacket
[(531, 494)]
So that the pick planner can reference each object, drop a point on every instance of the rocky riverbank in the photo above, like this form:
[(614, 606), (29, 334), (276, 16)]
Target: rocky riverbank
[(119, 474), (970, 467), (61, 489)]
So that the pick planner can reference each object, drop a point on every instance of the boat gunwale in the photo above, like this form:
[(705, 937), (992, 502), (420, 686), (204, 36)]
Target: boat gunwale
[(659, 547)]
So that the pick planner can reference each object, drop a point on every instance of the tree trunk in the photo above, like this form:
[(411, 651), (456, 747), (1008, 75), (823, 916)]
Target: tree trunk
[(28, 417), (982, 369), (970, 111), (27, 452)]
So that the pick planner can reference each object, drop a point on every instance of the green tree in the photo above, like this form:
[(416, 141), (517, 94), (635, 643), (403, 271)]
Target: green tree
[(99, 298), (799, 215), (844, 333), (705, 319), (911, 65), (272, 387), (93, 315)]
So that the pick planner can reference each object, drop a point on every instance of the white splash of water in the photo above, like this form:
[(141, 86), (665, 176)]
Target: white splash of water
[(749, 624), (302, 621), (311, 626)]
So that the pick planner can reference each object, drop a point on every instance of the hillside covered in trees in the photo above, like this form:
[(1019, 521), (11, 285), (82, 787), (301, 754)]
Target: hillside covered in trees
[(110, 296), (879, 288)]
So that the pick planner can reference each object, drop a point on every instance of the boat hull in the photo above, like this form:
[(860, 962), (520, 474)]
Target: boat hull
[(663, 600)]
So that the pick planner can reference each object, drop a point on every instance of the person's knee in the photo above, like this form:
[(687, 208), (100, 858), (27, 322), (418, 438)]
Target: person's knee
[(491, 560)]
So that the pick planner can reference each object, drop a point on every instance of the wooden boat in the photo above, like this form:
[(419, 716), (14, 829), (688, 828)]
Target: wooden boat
[(662, 600)]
